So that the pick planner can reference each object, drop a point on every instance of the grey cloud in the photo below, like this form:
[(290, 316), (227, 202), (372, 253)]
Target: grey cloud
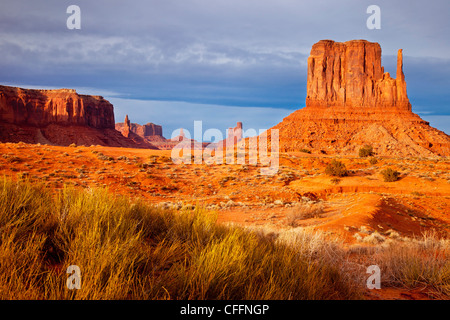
[(230, 52)]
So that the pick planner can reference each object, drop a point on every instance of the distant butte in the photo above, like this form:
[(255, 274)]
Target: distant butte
[(153, 134), (351, 101)]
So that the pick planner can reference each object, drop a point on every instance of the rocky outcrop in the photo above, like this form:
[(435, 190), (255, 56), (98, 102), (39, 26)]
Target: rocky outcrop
[(181, 136), (64, 107), (350, 74), (148, 130), (59, 117), (128, 130), (351, 101), (148, 133)]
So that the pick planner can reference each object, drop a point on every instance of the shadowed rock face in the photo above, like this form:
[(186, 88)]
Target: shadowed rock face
[(44, 107), (351, 101)]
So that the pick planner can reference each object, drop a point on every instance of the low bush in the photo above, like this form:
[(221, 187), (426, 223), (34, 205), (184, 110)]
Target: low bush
[(390, 175), (335, 181), (366, 151), (304, 211), (336, 168)]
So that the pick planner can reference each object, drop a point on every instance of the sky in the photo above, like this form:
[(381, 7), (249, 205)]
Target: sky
[(171, 62)]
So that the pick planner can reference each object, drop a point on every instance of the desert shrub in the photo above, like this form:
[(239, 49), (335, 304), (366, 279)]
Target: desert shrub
[(366, 151), (244, 168), (101, 156), (166, 159), (12, 159), (304, 211), (305, 150), (335, 181), (373, 160), (286, 176), (390, 175), (336, 168)]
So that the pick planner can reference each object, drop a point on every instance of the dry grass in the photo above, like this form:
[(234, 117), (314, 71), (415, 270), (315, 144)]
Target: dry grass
[(417, 263), (304, 211), (129, 250)]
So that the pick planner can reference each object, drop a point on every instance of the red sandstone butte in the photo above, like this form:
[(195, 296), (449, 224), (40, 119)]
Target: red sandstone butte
[(136, 133), (351, 102), (57, 117), (148, 130)]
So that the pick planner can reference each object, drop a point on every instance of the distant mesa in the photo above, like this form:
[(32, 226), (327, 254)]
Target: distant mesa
[(153, 134), (58, 117), (149, 130), (351, 101), (145, 135)]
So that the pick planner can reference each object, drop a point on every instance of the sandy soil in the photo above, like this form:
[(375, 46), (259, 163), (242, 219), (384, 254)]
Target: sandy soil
[(354, 207)]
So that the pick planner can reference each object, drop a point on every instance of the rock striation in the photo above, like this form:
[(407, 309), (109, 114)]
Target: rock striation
[(350, 74), (351, 101), (58, 117)]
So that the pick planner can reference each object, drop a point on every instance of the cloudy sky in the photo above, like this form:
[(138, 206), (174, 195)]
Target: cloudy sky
[(220, 61)]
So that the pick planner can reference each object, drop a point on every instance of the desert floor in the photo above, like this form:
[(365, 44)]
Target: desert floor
[(361, 209)]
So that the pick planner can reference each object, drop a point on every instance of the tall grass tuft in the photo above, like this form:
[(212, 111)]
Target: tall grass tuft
[(127, 249), (421, 262)]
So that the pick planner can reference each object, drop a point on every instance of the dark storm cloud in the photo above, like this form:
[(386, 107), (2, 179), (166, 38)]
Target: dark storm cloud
[(242, 53)]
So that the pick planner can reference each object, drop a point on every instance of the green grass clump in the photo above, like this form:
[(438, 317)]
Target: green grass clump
[(130, 250)]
